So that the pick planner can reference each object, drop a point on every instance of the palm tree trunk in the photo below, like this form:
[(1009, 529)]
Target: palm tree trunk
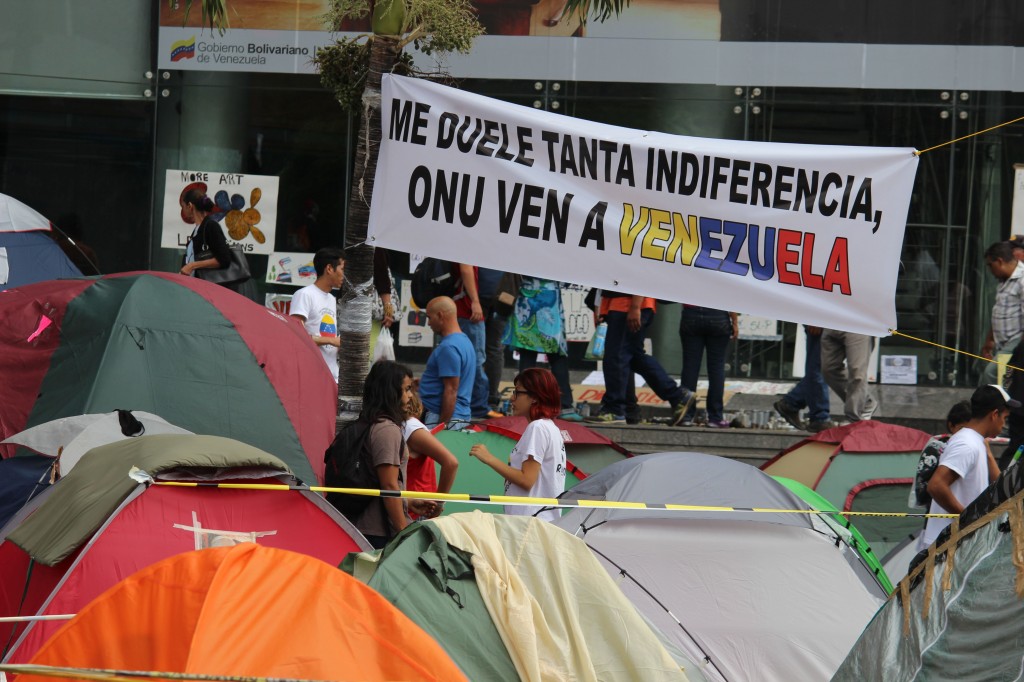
[(357, 296)]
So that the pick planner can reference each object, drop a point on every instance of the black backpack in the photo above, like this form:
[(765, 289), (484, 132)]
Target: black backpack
[(348, 465), (432, 278), (926, 466)]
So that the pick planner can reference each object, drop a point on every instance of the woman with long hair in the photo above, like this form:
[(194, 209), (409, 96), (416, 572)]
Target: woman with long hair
[(207, 247), (536, 466), (386, 395)]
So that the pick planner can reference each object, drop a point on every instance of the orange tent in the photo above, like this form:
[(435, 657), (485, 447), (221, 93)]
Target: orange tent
[(251, 611)]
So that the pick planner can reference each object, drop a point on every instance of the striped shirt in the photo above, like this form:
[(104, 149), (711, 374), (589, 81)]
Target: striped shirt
[(1008, 309)]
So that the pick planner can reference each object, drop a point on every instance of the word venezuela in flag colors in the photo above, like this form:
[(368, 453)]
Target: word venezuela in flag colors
[(735, 248)]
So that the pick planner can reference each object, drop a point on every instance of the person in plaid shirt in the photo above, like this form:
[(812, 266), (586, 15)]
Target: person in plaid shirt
[(1008, 309)]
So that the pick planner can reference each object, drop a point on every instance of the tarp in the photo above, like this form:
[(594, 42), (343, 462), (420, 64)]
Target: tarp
[(796, 232), (559, 616), (434, 584), (67, 439), (756, 596), (196, 354), (146, 523), (958, 614), (248, 611)]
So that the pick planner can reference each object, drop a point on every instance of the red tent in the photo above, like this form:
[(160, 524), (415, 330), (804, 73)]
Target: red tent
[(97, 525)]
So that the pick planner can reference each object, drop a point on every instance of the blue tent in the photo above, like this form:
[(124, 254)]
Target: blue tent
[(30, 257)]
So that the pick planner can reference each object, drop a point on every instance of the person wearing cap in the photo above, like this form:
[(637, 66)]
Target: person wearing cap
[(1007, 325), (966, 466)]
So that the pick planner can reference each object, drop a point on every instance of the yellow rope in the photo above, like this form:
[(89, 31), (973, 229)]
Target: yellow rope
[(980, 132), (955, 350)]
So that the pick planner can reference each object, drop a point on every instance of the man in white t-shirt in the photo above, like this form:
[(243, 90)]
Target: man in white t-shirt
[(967, 467), (317, 309)]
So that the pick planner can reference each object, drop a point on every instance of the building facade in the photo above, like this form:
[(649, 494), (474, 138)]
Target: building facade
[(100, 101)]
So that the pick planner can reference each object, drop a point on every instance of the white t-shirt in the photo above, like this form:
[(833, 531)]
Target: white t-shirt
[(966, 455), (320, 309), (411, 426), (541, 441)]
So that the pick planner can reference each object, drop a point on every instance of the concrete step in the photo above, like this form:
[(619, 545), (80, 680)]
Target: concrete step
[(753, 446)]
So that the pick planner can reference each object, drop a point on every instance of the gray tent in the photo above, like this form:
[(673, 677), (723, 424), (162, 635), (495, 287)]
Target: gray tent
[(958, 614), (755, 596)]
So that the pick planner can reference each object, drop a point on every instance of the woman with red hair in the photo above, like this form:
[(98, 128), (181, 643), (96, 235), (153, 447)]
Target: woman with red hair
[(537, 462)]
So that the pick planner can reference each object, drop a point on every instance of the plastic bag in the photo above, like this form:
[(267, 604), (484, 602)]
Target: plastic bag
[(595, 349), (385, 346)]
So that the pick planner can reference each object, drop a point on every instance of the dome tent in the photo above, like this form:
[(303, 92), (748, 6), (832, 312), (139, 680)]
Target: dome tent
[(199, 356), (765, 596), (99, 524), (248, 610)]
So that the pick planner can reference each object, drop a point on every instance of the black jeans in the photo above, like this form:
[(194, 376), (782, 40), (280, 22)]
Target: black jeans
[(706, 330), (494, 363)]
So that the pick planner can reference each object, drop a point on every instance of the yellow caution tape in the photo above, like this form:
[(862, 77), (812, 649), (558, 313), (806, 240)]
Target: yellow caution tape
[(509, 500)]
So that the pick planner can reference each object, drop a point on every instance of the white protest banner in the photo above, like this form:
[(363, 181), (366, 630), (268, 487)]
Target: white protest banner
[(244, 205), (803, 233)]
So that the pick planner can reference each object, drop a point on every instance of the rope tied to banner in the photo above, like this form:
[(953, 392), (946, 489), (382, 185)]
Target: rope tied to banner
[(980, 132), (954, 350)]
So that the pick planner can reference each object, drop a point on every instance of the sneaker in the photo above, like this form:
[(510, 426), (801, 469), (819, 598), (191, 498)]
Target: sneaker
[(818, 426), (718, 424), (683, 406), (789, 413), (869, 410), (606, 418), (570, 416)]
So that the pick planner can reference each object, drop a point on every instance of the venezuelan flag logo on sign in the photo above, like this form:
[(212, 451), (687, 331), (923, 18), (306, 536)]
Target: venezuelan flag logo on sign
[(183, 49)]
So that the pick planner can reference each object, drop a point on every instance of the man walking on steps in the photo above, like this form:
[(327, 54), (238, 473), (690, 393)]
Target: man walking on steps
[(811, 392), (628, 318)]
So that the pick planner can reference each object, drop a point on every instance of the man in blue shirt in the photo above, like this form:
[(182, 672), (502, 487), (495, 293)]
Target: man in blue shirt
[(446, 387)]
